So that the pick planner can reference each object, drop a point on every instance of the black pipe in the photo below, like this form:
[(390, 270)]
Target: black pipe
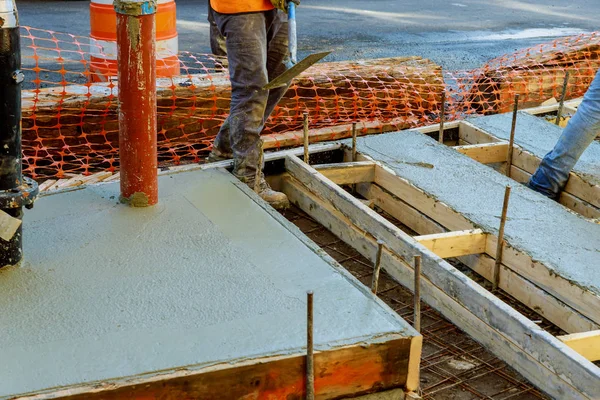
[(15, 192)]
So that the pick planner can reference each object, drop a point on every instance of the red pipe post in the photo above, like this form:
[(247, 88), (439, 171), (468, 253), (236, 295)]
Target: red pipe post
[(136, 55)]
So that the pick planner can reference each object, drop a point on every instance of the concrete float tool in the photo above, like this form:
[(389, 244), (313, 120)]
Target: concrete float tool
[(296, 68)]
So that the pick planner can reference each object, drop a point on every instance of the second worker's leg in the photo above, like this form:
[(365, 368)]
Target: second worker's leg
[(553, 173)]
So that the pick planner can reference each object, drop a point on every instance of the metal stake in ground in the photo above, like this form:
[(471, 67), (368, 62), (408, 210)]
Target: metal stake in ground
[(310, 361), (377, 268), (354, 133), (15, 191), (511, 143), (136, 53), (306, 156), (562, 99), (442, 117), (500, 245), (417, 297)]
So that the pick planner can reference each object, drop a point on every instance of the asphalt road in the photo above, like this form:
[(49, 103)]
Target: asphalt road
[(458, 34)]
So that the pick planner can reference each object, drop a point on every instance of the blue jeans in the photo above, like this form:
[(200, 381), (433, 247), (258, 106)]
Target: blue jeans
[(552, 174), (257, 51)]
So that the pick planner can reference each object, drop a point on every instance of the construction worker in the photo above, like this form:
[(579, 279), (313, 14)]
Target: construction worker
[(551, 176), (256, 38)]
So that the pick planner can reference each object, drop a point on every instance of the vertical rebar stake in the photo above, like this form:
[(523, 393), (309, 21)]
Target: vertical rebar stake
[(258, 176), (562, 99), (417, 300), (511, 143), (377, 268), (306, 157), (442, 117), (500, 245), (310, 366), (354, 133)]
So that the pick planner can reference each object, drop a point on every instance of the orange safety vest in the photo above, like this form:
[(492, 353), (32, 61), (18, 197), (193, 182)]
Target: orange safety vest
[(240, 6)]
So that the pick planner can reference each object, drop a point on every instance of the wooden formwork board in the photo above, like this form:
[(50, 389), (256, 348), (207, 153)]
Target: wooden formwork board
[(543, 359)]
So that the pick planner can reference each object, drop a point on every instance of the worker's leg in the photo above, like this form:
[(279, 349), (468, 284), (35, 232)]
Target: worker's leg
[(217, 41), (553, 173), (278, 58), (246, 40)]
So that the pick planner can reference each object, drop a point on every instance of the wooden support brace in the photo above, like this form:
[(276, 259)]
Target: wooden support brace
[(348, 173), (486, 153), (586, 343), (455, 244)]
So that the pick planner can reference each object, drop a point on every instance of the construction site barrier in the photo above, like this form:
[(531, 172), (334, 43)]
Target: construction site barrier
[(70, 123), (103, 40)]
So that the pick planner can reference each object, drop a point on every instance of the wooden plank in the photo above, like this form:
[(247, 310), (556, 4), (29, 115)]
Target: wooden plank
[(541, 358), (349, 173), (436, 127), (343, 372), (512, 283), (473, 135), (485, 153), (585, 343), (577, 297), (47, 184), (400, 210), (455, 244)]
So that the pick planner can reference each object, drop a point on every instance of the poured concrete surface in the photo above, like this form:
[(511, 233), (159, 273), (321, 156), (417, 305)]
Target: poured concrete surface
[(208, 275), (539, 136), (569, 245)]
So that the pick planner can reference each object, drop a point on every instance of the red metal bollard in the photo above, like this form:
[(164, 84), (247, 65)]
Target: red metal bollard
[(136, 53)]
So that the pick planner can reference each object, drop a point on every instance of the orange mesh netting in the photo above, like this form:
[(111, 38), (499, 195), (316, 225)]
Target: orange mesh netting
[(70, 120)]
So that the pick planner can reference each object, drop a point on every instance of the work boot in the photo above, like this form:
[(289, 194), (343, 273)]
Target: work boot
[(276, 199), (216, 156)]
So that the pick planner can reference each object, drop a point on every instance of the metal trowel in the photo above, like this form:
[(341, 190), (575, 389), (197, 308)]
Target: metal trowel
[(297, 67)]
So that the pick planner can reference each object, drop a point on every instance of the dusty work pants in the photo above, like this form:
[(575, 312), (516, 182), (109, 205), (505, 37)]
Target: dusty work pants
[(553, 173), (217, 41), (257, 51)]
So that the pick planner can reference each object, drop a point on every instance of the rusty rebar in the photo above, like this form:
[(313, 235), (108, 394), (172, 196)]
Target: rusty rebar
[(377, 268), (442, 117), (417, 296), (354, 134), (500, 244), (562, 99), (511, 142), (310, 361), (305, 123)]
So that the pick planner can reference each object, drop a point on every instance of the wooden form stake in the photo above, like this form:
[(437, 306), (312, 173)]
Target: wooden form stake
[(306, 156), (562, 99), (310, 366), (377, 269), (511, 143), (442, 118), (417, 297), (500, 244)]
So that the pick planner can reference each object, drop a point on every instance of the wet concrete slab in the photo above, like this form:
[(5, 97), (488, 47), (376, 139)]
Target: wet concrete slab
[(211, 274), (568, 244), (539, 136)]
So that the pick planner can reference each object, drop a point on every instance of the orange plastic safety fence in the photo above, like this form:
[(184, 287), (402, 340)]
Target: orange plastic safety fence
[(70, 116)]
